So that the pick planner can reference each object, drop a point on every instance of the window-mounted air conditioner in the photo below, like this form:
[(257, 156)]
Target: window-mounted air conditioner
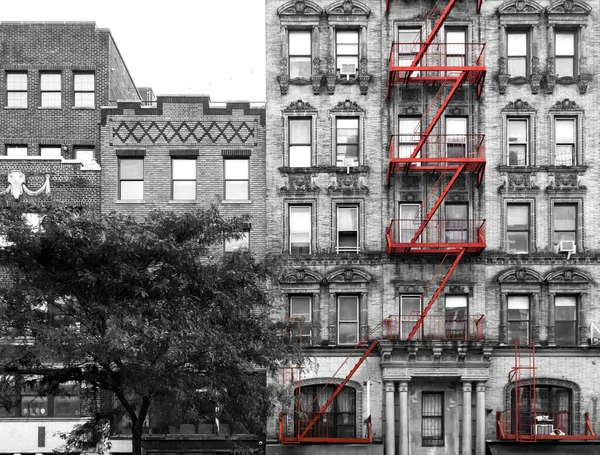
[(567, 246), (347, 70)]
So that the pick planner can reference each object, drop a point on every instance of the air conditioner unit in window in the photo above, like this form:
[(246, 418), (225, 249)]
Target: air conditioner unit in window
[(567, 246), (347, 70)]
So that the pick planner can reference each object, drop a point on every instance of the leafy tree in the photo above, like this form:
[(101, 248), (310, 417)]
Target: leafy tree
[(149, 310)]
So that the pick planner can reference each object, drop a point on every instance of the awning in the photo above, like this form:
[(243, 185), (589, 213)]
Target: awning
[(544, 448)]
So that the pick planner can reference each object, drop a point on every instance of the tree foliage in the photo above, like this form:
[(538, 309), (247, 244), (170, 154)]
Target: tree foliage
[(149, 310)]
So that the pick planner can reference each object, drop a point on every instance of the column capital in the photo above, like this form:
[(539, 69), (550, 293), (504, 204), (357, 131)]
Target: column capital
[(389, 386), (480, 387), (466, 386), (403, 386)]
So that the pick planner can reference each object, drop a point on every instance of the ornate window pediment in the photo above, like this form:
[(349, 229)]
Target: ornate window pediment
[(301, 276), (574, 7), (522, 275), (348, 8), (518, 106), (518, 8), (568, 276), (353, 276), (299, 8), (300, 107), (347, 106)]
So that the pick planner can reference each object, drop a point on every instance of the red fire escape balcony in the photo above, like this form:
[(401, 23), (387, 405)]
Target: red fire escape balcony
[(438, 327)]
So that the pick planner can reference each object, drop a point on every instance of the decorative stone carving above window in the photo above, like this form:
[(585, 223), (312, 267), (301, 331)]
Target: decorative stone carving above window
[(299, 106), (299, 8), (347, 7), (565, 181), (519, 181), (558, 279), (348, 276), (518, 105), (300, 184), (303, 276), (347, 106), (522, 275), (353, 183), (16, 186)]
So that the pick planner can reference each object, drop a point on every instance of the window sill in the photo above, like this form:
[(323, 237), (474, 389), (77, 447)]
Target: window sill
[(183, 201), (236, 201), (84, 108), (16, 108), (48, 108), (130, 201)]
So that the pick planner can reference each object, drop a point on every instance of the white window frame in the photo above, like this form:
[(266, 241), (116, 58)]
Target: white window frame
[(303, 320), (571, 55), (528, 230), (188, 164), (356, 211), (518, 54), (50, 151), (17, 83), (557, 142), (49, 87), (83, 87), (293, 230), (408, 320), (121, 179), (341, 56), (292, 158), (566, 300), (228, 178), (293, 54), (348, 321), (518, 141), (16, 150), (518, 302)]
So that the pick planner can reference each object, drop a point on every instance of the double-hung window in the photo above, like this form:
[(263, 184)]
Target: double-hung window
[(183, 178), (517, 228), (301, 317), (564, 223), (409, 222), (300, 229), (565, 42), (409, 129), (518, 141), (237, 179), (347, 141), (455, 49), (346, 53), (457, 323), (131, 178), (300, 141), (518, 317), (408, 46), (456, 137), (84, 89), (347, 229), (64, 403), (432, 419), (565, 141), (238, 243), (16, 151), (300, 53), (517, 46), (565, 325), (456, 223), (348, 319), (16, 89), (50, 88), (410, 312)]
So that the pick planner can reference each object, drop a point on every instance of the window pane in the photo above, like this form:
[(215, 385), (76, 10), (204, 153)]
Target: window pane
[(83, 82), (236, 190), (564, 130), (184, 169), (563, 155), (347, 218), (84, 99), (517, 216), (16, 81), (300, 156), (300, 307), (564, 66), (50, 152), (34, 406), (85, 154), (456, 301), (565, 217), (131, 169), (517, 44), (300, 230), (300, 67), (517, 131), (565, 43), (237, 245), (236, 169), (132, 190), (299, 42), (518, 242), (16, 150), (348, 308), (347, 332), (50, 81), (51, 99), (16, 99), (184, 190), (300, 131), (517, 66)]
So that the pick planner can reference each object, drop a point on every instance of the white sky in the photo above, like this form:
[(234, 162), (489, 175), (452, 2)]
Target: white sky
[(191, 47)]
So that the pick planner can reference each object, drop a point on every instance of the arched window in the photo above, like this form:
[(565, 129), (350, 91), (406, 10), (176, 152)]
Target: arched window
[(339, 420)]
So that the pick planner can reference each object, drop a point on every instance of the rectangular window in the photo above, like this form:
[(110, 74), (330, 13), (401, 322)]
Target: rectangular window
[(16, 89), (517, 228), (184, 179), (565, 43), (456, 137), (409, 129), (346, 53), (50, 88), (347, 137), (347, 229), (409, 222), (518, 142), (517, 45), (565, 326), (455, 49), (564, 223), (408, 46), (457, 220), (16, 151), (237, 179), (347, 319), (301, 316), (410, 311), (239, 244), (84, 87), (300, 229), (300, 43), (131, 178), (50, 151), (456, 317), (300, 142), (84, 154), (432, 415), (518, 317), (65, 402), (565, 143)]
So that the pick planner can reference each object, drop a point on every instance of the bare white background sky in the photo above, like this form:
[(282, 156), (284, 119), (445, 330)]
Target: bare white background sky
[(191, 47)]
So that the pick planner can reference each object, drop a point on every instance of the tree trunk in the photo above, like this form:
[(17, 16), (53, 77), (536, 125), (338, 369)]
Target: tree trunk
[(136, 440)]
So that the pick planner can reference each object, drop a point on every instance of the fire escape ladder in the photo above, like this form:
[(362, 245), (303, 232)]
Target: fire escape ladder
[(523, 374), (458, 256)]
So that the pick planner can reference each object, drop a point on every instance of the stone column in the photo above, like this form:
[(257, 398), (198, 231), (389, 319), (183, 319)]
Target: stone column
[(403, 427), (503, 319), (583, 329), (332, 319), (535, 319), (390, 434), (480, 422), (552, 320), (467, 419), (363, 316)]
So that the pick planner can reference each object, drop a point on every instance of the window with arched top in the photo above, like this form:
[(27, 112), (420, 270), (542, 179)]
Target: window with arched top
[(338, 420)]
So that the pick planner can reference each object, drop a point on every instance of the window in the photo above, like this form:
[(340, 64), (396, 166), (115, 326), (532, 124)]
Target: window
[(346, 53), (347, 229), (50, 87), (564, 223), (552, 401), (517, 228), (16, 90), (409, 222), (29, 404), (457, 323), (347, 319), (300, 229), (131, 178), (408, 46), (83, 154), (239, 244), (301, 317), (518, 142), (50, 151), (184, 179), (410, 311), (518, 317), (300, 143), (456, 137), (347, 137), (456, 224), (16, 151), (517, 46), (300, 53), (565, 325), (455, 49), (339, 420), (84, 86), (236, 179), (565, 152), (432, 419), (409, 129), (565, 42)]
